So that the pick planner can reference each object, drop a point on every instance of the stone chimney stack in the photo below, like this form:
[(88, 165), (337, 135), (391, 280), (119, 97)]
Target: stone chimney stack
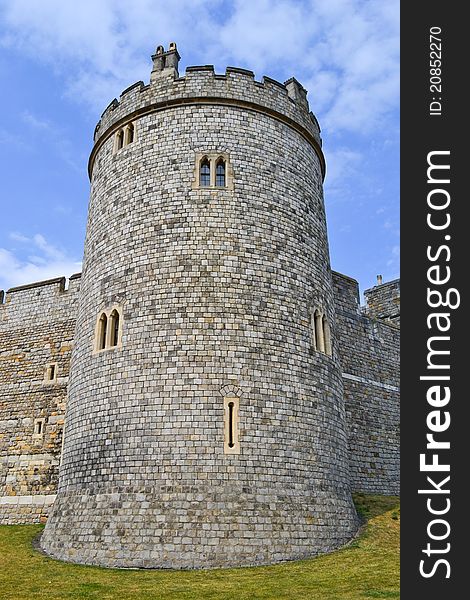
[(165, 60), (297, 92)]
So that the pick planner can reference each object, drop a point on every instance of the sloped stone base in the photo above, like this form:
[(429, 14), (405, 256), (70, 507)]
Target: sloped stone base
[(181, 529)]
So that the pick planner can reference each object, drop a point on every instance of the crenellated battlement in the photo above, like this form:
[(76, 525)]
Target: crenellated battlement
[(286, 102), (35, 301), (382, 302)]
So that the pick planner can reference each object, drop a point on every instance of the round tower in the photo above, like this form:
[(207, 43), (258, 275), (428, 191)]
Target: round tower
[(205, 422)]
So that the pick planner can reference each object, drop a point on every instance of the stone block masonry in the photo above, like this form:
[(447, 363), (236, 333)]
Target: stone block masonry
[(37, 324), (383, 302), (369, 351), (372, 404)]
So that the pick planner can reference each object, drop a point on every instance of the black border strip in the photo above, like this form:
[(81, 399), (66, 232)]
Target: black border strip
[(433, 568)]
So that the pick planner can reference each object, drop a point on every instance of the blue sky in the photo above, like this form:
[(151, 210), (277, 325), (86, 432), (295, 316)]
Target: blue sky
[(61, 63)]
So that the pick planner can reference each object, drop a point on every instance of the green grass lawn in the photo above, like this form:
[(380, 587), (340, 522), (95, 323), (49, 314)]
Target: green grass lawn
[(367, 568)]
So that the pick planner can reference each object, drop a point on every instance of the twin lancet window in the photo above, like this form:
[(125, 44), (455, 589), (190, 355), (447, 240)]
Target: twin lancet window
[(321, 336), (108, 330), (205, 173), (213, 171), (124, 136)]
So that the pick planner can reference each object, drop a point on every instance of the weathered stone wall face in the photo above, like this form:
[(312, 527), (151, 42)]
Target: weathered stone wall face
[(216, 289), (369, 350), (383, 302), (37, 325)]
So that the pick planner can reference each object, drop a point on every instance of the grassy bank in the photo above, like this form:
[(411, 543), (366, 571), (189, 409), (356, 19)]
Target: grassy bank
[(368, 568)]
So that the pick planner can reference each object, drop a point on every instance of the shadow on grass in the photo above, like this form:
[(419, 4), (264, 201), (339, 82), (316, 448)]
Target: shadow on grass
[(368, 506)]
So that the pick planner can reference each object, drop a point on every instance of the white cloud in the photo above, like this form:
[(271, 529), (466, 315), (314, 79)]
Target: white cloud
[(18, 237), (342, 163), (100, 48), (265, 32), (46, 131), (12, 140), (344, 51), (47, 262), (49, 250), (323, 87), (34, 121), (394, 262)]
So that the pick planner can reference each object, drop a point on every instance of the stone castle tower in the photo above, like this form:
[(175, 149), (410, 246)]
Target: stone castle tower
[(224, 389), (205, 421)]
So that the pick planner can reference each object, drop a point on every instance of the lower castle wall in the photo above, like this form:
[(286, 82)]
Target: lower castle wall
[(18, 510), (37, 326), (369, 351)]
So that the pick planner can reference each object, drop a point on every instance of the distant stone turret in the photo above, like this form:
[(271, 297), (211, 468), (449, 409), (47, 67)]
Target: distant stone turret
[(383, 301)]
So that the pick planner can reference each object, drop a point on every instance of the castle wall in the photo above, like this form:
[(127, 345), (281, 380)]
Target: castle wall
[(369, 350), (37, 325), (383, 302)]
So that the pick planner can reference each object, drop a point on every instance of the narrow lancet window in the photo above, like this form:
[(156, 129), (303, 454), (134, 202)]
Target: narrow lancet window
[(327, 336), (313, 333), (38, 430), (50, 373), (220, 173), (102, 327), (114, 328), (320, 340), (205, 173), (130, 133), (231, 441), (213, 170), (108, 329), (120, 139), (230, 424)]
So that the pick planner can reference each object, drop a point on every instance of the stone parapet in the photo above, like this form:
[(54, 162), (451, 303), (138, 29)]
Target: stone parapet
[(202, 86)]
